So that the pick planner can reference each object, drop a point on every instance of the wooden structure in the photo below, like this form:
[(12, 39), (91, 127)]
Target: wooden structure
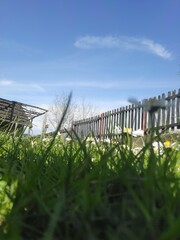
[(132, 116), (17, 115)]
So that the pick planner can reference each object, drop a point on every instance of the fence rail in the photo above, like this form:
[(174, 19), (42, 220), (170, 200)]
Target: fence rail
[(132, 116)]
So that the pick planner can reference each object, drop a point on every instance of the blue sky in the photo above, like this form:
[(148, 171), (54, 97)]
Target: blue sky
[(104, 51)]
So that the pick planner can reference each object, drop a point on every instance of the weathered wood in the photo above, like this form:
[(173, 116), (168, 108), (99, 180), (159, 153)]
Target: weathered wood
[(134, 117), (18, 114), (177, 109), (173, 108)]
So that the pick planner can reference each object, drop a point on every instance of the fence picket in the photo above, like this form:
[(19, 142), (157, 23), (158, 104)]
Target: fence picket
[(132, 116), (177, 109)]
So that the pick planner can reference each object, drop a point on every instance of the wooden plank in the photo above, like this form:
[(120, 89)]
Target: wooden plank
[(133, 120), (138, 124), (173, 108), (163, 116), (177, 109), (101, 126), (168, 109), (159, 114)]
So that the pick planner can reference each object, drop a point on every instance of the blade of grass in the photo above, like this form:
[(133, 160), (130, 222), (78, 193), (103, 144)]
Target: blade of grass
[(58, 127)]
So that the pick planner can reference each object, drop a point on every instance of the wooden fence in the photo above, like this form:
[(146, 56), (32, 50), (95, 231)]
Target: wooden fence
[(132, 116)]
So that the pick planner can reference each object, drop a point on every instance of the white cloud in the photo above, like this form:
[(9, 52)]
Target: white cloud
[(18, 47), (29, 87), (13, 86), (156, 49), (110, 84), (93, 41), (127, 43), (82, 84), (5, 82)]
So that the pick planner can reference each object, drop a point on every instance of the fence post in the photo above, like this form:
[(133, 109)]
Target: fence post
[(101, 126), (144, 116), (163, 121), (168, 121), (177, 110), (173, 109), (144, 121)]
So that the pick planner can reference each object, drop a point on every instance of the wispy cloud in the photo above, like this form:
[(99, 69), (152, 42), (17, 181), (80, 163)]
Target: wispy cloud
[(80, 84), (17, 47), (127, 43), (13, 86), (5, 82), (108, 84)]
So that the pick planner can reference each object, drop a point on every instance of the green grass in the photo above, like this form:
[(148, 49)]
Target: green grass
[(78, 190)]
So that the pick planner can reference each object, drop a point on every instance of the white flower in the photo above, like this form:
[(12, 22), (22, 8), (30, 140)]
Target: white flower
[(158, 147), (33, 143), (117, 130), (107, 140), (136, 150), (175, 146), (68, 139), (96, 139), (138, 133), (125, 147), (45, 140)]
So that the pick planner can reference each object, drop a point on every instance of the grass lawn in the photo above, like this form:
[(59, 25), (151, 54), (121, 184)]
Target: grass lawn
[(59, 189)]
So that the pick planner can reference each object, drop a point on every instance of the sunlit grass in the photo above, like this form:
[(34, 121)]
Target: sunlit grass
[(80, 189), (117, 188)]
